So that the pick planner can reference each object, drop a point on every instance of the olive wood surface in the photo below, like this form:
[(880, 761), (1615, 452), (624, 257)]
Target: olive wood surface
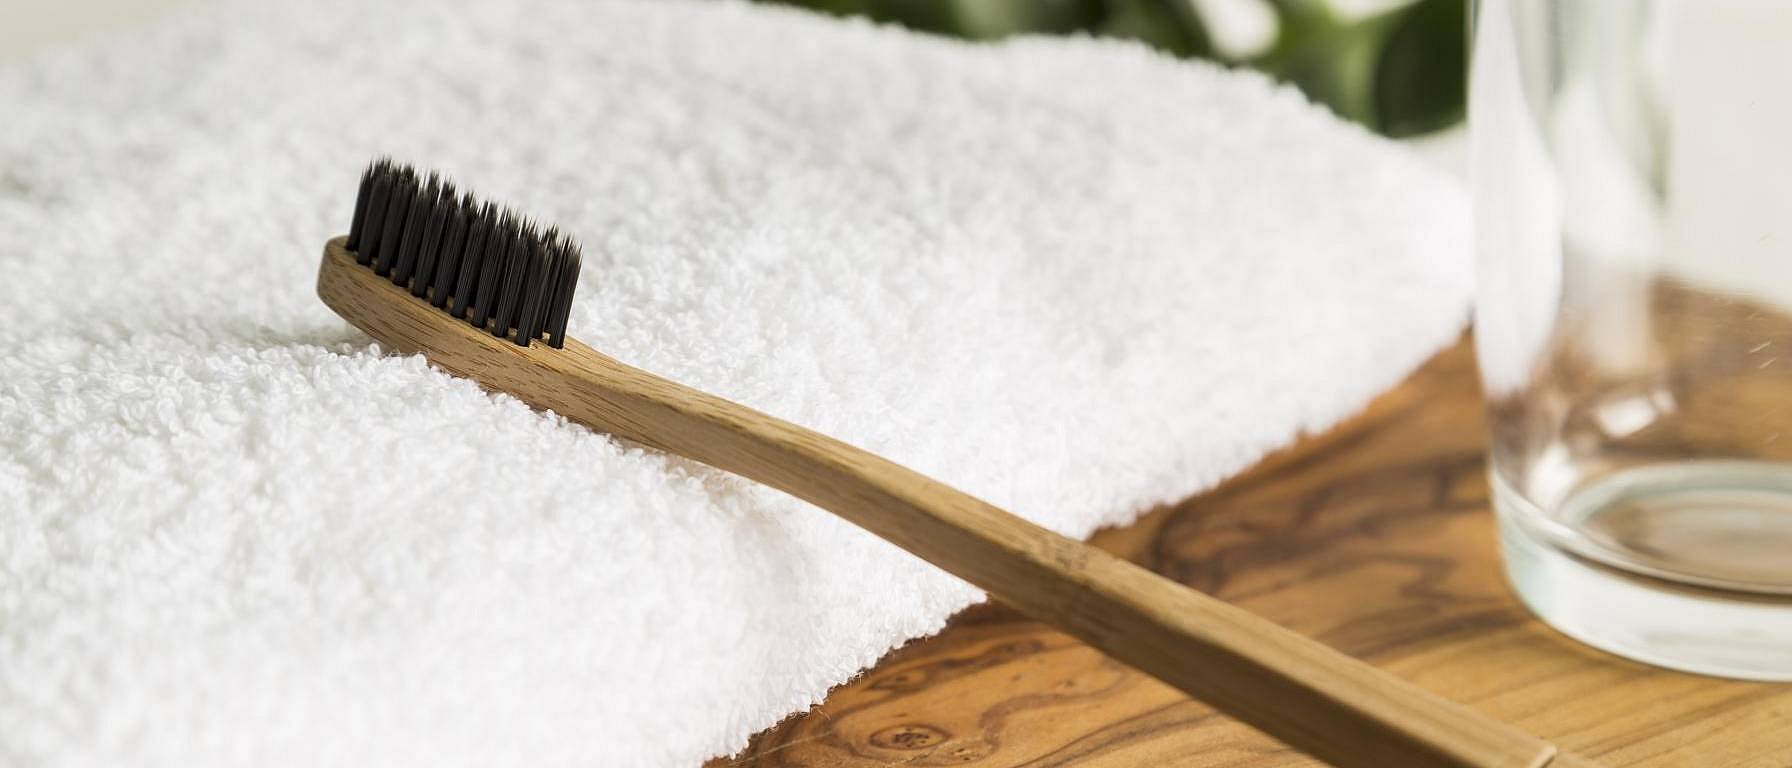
[(1374, 538)]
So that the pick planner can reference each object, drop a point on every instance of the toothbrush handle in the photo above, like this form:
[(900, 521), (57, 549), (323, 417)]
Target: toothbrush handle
[(1315, 699)]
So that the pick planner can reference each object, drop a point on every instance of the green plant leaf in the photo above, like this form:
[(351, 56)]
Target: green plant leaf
[(1168, 25), (988, 19), (980, 19), (1400, 72), (1420, 76)]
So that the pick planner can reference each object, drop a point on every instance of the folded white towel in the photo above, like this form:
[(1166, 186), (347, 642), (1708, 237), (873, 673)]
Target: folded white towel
[(1070, 276)]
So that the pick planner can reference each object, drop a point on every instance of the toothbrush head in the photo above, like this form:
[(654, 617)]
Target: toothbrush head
[(478, 262)]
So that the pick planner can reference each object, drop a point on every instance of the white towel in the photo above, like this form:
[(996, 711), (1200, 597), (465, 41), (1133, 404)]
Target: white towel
[(1070, 276)]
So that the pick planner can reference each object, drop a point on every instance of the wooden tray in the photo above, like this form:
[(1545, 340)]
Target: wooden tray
[(1375, 538)]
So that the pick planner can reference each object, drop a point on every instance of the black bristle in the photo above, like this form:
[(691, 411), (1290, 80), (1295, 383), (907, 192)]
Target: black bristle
[(397, 263), (536, 287), (416, 228), (538, 294), (432, 240), (376, 214), (356, 224), (499, 249), (561, 304), (404, 192), (454, 241), (479, 262), (473, 262), (510, 288)]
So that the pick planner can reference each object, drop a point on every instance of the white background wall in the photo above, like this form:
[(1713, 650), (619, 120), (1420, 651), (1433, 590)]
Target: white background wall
[(27, 24)]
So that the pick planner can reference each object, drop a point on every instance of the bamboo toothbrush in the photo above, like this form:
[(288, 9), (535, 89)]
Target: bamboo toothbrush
[(484, 294)]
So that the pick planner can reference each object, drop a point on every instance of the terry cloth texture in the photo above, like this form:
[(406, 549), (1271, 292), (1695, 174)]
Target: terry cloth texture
[(1070, 276)]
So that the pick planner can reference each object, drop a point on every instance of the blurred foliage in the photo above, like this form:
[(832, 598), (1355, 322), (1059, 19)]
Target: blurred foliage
[(1400, 71)]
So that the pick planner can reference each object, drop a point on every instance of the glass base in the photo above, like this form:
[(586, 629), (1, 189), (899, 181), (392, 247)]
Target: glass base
[(1669, 623)]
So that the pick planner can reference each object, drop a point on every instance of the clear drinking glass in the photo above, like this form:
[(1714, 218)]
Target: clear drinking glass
[(1632, 162)]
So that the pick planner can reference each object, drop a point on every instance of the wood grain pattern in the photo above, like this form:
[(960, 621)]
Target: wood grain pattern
[(1302, 692), (1376, 538)]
